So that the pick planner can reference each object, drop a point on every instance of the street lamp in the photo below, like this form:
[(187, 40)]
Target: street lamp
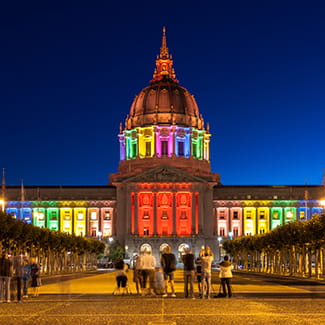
[(323, 204), (2, 203)]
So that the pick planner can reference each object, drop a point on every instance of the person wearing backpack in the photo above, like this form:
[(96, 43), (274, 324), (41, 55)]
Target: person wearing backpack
[(168, 263)]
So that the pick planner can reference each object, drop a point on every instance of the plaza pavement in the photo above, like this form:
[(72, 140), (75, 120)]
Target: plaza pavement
[(87, 299)]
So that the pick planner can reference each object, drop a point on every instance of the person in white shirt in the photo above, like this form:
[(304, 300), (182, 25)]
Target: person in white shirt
[(206, 261), (147, 264), (225, 276)]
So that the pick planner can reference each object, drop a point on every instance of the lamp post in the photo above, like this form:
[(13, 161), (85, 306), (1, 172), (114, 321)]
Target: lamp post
[(219, 246), (2, 203), (323, 204)]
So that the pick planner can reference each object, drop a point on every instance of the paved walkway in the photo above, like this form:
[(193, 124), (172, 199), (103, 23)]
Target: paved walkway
[(89, 300)]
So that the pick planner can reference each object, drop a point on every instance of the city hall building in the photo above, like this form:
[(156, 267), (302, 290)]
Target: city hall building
[(164, 191)]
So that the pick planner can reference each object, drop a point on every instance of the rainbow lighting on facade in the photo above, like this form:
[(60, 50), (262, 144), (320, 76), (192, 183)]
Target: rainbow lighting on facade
[(164, 192)]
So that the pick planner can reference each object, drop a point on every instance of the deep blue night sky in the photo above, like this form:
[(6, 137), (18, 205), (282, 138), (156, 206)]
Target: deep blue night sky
[(70, 70)]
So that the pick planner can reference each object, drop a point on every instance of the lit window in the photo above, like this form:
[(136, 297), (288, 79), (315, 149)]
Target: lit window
[(107, 215), (164, 215), (145, 214), (183, 215), (181, 148), (164, 148), (222, 232), (222, 214), (235, 215), (146, 232), (302, 214), (148, 149), (93, 215)]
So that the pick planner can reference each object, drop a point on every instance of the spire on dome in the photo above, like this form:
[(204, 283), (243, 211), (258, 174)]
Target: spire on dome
[(164, 62), (164, 49)]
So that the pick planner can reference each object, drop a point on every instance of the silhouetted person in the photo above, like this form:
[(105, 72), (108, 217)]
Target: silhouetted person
[(225, 276)]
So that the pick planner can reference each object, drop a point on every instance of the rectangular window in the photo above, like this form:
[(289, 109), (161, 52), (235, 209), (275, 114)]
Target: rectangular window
[(235, 232), (276, 215), (164, 231), (107, 215), (222, 232), (145, 214), (146, 231), (301, 214), (164, 215), (164, 148), (235, 215), (262, 215), (148, 149), (249, 215), (222, 214), (183, 215), (93, 232), (181, 148)]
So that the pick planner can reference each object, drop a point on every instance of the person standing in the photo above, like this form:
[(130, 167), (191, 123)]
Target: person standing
[(5, 277), (189, 274), (137, 278), (147, 264), (35, 273), (206, 261), (225, 276), (168, 264), (198, 264), (26, 276), (18, 274)]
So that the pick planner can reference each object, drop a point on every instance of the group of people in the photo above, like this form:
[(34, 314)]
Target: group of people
[(153, 279), (17, 271)]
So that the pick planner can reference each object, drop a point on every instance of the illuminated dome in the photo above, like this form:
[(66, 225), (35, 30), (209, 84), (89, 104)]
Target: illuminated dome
[(164, 127), (164, 102)]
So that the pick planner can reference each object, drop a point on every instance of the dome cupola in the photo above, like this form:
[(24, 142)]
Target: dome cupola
[(164, 127)]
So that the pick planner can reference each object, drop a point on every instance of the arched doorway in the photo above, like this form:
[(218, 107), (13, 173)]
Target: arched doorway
[(145, 248), (162, 248), (182, 250)]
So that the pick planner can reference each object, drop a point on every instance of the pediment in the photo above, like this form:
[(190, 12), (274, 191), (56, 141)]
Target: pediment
[(165, 174)]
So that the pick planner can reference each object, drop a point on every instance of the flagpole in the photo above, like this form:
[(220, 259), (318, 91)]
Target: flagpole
[(22, 199)]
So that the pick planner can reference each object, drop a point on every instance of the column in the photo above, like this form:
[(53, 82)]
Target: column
[(174, 213), (136, 222), (193, 214), (155, 213)]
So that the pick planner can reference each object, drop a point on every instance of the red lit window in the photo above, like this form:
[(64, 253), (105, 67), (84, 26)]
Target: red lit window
[(146, 231), (145, 214), (183, 215), (164, 215)]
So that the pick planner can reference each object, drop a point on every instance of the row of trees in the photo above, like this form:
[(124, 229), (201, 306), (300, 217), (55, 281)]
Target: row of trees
[(56, 251), (296, 248)]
